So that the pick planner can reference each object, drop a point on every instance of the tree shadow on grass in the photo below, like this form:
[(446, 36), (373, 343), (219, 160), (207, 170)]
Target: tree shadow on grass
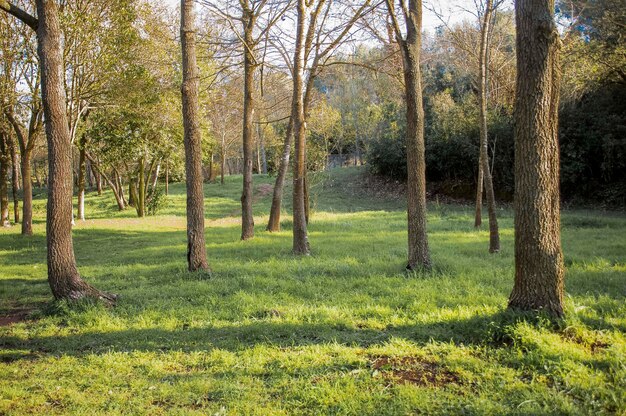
[(478, 330)]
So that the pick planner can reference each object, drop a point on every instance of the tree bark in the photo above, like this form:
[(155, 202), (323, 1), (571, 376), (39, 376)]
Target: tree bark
[(300, 233), (419, 255), (494, 234), (247, 219), (63, 275), (196, 246), (539, 270)]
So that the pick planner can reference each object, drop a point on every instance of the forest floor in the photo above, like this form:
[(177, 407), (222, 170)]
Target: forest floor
[(344, 331)]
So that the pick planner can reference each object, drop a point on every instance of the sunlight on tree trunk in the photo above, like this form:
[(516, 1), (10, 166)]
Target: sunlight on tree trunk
[(539, 270)]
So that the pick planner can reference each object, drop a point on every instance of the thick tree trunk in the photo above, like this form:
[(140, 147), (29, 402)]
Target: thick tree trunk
[(82, 171), (539, 270), (419, 255), (196, 246), (247, 219), (273, 224), (63, 275), (27, 194), (300, 234), (141, 190), (494, 234)]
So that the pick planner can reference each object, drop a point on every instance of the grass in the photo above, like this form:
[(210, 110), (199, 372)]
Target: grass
[(344, 331)]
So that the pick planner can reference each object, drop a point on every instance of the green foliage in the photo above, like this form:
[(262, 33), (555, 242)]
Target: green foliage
[(273, 334), (157, 200)]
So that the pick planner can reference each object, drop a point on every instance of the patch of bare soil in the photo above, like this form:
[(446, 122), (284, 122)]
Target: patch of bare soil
[(15, 316), (413, 370)]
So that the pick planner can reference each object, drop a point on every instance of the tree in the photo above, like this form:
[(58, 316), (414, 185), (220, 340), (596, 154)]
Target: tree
[(539, 270), (63, 276), (256, 18), (321, 36), (196, 250), (484, 167), (410, 46)]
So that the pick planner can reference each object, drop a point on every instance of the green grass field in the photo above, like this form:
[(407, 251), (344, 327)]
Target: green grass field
[(344, 331)]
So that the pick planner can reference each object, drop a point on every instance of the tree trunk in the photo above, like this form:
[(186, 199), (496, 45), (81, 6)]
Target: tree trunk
[(113, 185), (155, 179), (222, 159), (478, 220), (196, 246), (273, 224), (539, 270), (98, 176), (82, 171), (5, 157), (132, 192), (300, 234), (494, 234), (15, 179), (247, 219), (167, 178), (63, 275), (419, 255), (27, 194), (141, 189)]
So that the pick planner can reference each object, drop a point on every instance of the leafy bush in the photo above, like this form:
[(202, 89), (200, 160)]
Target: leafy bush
[(157, 200)]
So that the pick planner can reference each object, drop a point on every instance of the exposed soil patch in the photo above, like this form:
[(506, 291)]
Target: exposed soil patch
[(15, 316), (413, 370)]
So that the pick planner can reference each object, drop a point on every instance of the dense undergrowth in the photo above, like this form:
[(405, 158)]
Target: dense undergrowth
[(344, 331)]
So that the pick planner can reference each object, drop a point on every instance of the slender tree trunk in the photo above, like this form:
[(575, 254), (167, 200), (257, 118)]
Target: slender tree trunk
[(63, 275), (27, 194), (155, 179), (419, 255), (82, 171), (141, 189), (15, 180), (222, 159), (112, 184), (167, 178), (277, 196), (98, 176), (300, 233), (494, 234), (478, 220), (5, 157), (196, 246), (247, 219), (539, 270)]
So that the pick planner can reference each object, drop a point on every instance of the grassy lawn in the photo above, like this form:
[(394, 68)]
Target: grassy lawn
[(344, 331)]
